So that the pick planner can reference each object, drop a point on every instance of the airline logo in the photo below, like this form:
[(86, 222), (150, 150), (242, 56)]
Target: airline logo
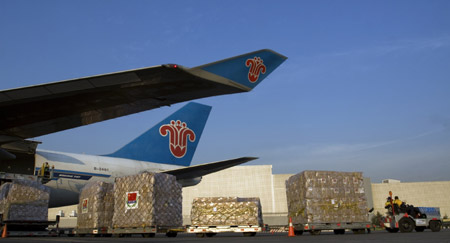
[(256, 67), (179, 136), (84, 206), (132, 200)]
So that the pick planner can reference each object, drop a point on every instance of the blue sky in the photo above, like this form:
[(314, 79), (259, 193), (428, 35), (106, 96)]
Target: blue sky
[(366, 86)]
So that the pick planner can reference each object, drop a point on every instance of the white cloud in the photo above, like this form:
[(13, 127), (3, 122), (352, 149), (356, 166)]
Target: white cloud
[(396, 46)]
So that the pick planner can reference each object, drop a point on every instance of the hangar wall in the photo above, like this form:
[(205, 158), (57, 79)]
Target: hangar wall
[(243, 181)]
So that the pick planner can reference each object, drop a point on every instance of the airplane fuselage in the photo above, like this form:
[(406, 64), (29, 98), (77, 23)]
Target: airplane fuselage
[(73, 171)]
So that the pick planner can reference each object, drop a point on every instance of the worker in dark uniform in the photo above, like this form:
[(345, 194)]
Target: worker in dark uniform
[(397, 204)]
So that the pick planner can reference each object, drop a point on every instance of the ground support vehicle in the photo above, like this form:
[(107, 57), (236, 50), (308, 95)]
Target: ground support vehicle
[(210, 231), (146, 232), (429, 218), (446, 223), (338, 228), (29, 228)]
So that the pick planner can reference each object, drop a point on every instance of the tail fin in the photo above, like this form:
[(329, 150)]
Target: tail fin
[(172, 141), (247, 70)]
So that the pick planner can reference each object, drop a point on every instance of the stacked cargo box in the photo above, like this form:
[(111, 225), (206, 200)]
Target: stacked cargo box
[(24, 200), (96, 207), (147, 199), (4, 189), (223, 211), (326, 197)]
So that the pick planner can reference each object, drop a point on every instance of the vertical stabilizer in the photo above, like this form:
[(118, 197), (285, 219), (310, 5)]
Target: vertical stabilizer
[(172, 141)]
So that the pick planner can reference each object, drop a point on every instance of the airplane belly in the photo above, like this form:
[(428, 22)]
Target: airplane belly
[(62, 197), (64, 192)]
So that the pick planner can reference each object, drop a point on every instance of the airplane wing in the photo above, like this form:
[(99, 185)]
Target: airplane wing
[(194, 171), (42, 109)]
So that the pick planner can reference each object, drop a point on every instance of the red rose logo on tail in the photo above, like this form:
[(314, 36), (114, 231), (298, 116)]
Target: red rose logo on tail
[(179, 134), (256, 67)]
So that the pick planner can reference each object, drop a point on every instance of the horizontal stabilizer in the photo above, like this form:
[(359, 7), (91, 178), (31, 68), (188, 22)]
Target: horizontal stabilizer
[(204, 169)]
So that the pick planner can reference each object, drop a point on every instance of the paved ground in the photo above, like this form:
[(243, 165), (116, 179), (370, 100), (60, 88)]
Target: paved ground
[(325, 237)]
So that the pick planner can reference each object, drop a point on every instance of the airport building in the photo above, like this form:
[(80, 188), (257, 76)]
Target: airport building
[(259, 181), (250, 181)]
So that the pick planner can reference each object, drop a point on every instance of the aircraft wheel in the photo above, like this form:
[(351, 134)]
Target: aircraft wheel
[(406, 225)]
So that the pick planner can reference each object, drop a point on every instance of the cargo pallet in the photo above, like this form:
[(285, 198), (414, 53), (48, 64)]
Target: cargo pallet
[(146, 231), (338, 228), (210, 231), (29, 227), (92, 232)]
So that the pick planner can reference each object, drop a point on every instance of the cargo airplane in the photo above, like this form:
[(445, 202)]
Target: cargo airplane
[(167, 147)]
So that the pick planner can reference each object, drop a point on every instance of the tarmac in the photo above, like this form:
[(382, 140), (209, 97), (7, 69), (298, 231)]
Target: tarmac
[(324, 237)]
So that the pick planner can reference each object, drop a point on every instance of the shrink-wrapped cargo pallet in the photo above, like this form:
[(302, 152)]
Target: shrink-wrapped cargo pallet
[(326, 197), (24, 200), (147, 199), (96, 205), (4, 189), (224, 211)]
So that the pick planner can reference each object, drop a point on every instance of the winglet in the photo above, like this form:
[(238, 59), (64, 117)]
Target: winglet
[(246, 70)]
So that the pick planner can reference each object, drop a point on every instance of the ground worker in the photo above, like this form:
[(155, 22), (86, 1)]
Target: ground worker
[(388, 205), (397, 204), (398, 201), (43, 170), (51, 171), (46, 170)]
